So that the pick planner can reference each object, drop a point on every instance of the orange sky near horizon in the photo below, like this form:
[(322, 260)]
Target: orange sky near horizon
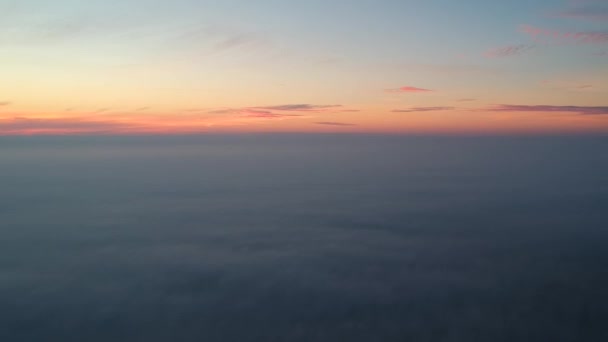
[(194, 67)]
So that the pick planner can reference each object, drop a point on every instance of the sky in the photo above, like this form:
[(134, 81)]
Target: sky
[(372, 66)]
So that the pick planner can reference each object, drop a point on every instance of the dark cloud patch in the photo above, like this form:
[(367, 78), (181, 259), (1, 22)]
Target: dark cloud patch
[(422, 109), (5, 103)]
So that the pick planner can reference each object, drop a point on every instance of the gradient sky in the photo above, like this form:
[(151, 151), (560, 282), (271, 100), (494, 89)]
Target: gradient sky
[(189, 66)]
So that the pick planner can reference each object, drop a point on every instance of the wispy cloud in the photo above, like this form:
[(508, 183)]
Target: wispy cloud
[(422, 109), (457, 69), (5, 103), (332, 123), (567, 85), (508, 51), (465, 100), (594, 13), (194, 110), (251, 113), (579, 110), (237, 40), (29, 25), (216, 39), (44, 32), (301, 108), (548, 36), (282, 110), (408, 89), (222, 111)]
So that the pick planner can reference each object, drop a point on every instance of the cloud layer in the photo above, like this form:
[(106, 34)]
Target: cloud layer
[(408, 89), (61, 126), (422, 109), (580, 110), (332, 123), (280, 111), (301, 108)]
